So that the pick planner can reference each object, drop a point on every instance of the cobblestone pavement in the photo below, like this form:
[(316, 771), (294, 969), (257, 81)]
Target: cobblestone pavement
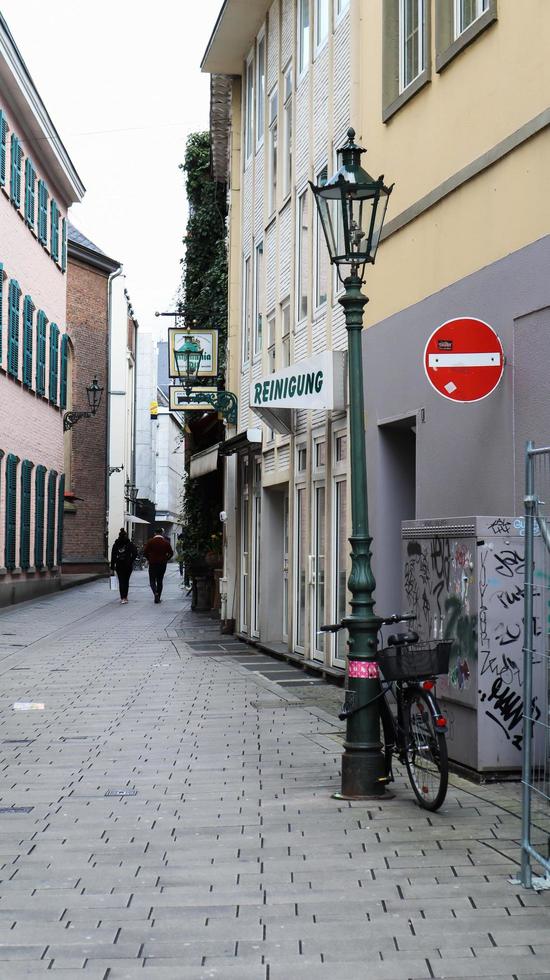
[(170, 812)]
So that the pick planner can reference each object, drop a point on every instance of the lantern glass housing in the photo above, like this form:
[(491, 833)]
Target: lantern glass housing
[(188, 359), (94, 393), (352, 207)]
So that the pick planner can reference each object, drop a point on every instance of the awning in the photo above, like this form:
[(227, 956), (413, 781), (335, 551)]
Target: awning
[(250, 439), (279, 419), (204, 462), (132, 519)]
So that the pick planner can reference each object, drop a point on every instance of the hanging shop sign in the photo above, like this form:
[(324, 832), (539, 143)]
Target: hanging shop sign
[(179, 403), (208, 342), (315, 383), (464, 359)]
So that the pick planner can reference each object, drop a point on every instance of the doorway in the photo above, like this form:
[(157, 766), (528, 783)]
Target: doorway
[(396, 503)]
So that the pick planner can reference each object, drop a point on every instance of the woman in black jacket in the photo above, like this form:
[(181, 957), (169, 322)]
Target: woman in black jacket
[(123, 554)]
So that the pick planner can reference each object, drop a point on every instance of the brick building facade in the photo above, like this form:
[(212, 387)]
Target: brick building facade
[(89, 275)]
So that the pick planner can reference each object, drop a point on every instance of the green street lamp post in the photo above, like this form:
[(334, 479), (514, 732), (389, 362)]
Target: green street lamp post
[(351, 207)]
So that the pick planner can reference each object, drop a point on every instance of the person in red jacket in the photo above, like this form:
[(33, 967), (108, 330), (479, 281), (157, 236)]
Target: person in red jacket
[(158, 552)]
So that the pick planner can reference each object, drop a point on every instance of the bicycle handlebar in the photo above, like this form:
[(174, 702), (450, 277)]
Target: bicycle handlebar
[(388, 621)]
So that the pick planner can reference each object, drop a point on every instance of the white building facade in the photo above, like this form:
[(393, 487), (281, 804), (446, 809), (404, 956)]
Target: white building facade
[(287, 487), (123, 331)]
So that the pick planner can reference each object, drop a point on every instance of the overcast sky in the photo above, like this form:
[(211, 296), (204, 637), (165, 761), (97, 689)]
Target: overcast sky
[(122, 83)]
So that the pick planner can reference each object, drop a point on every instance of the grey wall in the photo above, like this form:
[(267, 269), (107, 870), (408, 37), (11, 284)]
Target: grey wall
[(469, 458)]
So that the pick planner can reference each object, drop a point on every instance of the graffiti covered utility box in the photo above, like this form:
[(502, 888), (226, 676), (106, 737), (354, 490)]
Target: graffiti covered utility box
[(464, 579)]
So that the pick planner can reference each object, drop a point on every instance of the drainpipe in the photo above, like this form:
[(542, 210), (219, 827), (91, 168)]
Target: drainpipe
[(112, 276)]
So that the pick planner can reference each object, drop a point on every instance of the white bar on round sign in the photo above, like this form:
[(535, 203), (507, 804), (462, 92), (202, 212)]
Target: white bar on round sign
[(464, 360)]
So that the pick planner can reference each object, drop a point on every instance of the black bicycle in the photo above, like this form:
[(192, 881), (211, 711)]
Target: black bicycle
[(416, 732)]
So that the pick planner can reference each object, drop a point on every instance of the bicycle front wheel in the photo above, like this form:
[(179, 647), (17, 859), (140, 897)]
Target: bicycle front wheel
[(425, 752)]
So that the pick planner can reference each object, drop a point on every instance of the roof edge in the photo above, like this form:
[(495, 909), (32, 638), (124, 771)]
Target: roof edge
[(95, 259)]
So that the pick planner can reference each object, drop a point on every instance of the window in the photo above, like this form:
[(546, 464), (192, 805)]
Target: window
[(340, 7), (303, 36), (60, 516), (41, 321), (247, 308), (42, 213), (15, 170), (28, 310), (320, 453), (271, 342), (287, 128), (3, 136), (321, 22), (39, 491), (54, 230), (30, 182), (258, 296), (272, 178), (341, 447), (64, 371), (322, 260), (301, 459), (411, 47), (405, 53), (465, 12), (260, 91), (303, 264), (285, 334), (14, 297), (249, 109), (50, 527), (11, 511), (458, 23), (54, 362), (25, 518)]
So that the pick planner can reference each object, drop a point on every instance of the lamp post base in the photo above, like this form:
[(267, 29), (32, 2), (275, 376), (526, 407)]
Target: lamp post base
[(361, 770)]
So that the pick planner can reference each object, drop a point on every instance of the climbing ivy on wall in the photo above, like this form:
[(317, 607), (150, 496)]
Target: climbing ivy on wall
[(203, 293)]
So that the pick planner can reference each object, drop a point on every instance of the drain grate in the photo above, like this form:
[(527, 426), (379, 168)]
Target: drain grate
[(16, 809), (121, 792)]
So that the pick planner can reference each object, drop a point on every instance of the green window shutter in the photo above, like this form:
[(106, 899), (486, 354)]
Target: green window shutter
[(54, 363), (64, 245), (14, 297), (64, 371), (15, 172), (42, 213), (3, 135), (54, 230), (1, 309), (28, 310), (11, 510), (39, 492), (41, 321), (30, 182), (60, 516), (50, 517), (25, 520)]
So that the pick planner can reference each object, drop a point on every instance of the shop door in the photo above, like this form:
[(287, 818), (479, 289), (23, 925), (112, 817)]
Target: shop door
[(300, 571), (285, 569), (317, 572), (244, 552)]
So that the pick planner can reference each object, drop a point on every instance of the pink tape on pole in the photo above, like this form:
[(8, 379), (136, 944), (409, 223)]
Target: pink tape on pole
[(363, 668)]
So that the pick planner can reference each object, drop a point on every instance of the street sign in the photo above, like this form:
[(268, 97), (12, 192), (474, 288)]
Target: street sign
[(208, 343), (464, 359), (178, 399)]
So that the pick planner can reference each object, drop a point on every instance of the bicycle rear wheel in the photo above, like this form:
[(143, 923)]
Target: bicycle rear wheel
[(425, 752)]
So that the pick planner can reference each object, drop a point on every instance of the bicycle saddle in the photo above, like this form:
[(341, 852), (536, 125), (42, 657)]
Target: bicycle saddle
[(398, 639)]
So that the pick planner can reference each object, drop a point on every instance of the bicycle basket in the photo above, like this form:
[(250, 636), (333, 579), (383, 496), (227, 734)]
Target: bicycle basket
[(415, 662)]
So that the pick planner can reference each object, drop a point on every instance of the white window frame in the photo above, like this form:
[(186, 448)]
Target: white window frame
[(340, 8), (481, 7), (302, 254), (246, 312), (288, 134), (304, 38), (320, 248), (273, 107), (249, 91), (404, 82), (321, 22), (271, 320), (260, 88), (259, 286), (285, 335)]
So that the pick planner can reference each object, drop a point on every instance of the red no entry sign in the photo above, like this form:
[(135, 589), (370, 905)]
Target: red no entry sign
[(464, 359)]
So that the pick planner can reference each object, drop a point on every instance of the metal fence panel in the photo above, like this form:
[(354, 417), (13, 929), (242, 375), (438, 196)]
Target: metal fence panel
[(535, 843)]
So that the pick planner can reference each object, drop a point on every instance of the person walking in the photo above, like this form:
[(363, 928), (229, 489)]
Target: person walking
[(158, 552), (123, 555), (180, 553)]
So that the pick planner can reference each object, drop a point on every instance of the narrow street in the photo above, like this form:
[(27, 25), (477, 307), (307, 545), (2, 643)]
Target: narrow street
[(169, 808)]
